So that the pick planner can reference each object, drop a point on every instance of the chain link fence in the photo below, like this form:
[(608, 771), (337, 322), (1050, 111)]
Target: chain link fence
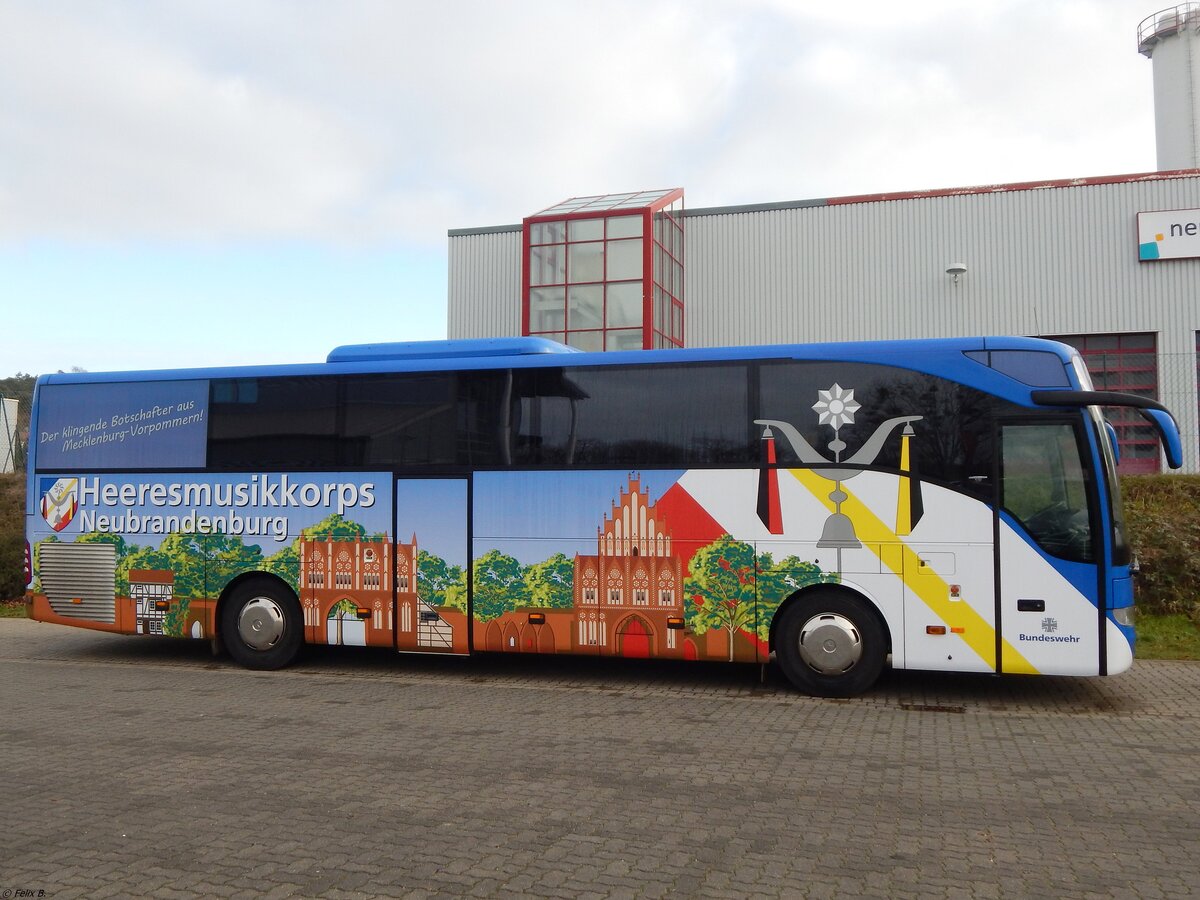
[(16, 394), (1179, 374), (1130, 365), (13, 437)]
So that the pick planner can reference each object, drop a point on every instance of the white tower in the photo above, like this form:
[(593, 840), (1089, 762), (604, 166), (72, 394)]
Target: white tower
[(1171, 38)]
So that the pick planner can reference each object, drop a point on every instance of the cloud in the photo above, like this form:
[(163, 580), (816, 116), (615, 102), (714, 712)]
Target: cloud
[(374, 121), (941, 96), (111, 133)]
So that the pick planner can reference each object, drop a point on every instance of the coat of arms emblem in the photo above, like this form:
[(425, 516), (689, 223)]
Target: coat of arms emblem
[(60, 501)]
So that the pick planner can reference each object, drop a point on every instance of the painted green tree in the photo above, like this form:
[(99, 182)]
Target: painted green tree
[(720, 588), (778, 581), (730, 588), (198, 561), (175, 622), (103, 537), (345, 607), (226, 557), (550, 583), (456, 591), (286, 564), (499, 585), (337, 527), (438, 582)]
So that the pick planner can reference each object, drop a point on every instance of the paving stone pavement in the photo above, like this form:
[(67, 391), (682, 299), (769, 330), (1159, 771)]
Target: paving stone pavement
[(144, 767)]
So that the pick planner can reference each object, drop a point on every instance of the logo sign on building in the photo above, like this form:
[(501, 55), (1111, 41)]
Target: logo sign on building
[(1169, 234)]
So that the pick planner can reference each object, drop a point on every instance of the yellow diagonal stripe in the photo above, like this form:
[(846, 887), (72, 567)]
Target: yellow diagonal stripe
[(933, 591)]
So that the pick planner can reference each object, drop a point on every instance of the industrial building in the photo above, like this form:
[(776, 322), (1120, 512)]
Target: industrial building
[(1109, 264)]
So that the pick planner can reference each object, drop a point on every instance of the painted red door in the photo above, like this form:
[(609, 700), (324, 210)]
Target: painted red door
[(635, 640)]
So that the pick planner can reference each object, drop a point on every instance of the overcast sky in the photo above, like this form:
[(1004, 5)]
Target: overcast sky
[(196, 182)]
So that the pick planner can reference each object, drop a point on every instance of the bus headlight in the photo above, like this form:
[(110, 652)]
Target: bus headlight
[(1125, 615)]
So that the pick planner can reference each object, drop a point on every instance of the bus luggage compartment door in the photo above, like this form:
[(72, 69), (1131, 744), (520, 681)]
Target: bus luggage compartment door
[(950, 605)]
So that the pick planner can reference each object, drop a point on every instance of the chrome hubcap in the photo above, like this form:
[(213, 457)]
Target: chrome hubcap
[(260, 623), (830, 644)]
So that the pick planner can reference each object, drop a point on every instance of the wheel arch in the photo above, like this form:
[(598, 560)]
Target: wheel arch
[(826, 587), (247, 577)]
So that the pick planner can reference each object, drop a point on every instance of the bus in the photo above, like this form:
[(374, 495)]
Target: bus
[(945, 504)]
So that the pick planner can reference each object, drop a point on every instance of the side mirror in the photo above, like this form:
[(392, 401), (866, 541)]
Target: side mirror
[(1168, 432)]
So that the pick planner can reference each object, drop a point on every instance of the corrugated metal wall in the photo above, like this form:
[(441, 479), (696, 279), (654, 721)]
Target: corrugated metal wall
[(484, 283), (1049, 261), (1053, 260)]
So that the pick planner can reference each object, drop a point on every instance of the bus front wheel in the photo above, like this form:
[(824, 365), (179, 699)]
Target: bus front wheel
[(831, 644), (261, 625)]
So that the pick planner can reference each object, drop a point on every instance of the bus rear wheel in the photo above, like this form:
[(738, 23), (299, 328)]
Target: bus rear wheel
[(261, 625), (831, 644)]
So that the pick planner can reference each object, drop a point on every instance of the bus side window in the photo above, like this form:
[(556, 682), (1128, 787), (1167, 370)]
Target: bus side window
[(666, 415), (280, 423), (398, 419), (543, 413), (952, 443), (1044, 487)]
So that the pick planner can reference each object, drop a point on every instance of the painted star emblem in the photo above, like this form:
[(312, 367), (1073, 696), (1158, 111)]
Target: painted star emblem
[(836, 406)]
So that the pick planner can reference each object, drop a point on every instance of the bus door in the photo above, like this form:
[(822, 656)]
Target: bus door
[(1048, 608), (536, 588), (431, 568)]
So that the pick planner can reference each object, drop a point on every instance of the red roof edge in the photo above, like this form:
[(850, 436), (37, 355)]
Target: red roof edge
[(1019, 186)]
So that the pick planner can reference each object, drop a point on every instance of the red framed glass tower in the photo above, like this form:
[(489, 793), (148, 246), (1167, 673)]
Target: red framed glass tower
[(606, 272)]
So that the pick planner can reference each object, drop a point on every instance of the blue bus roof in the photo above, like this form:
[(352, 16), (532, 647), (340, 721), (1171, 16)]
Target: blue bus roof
[(944, 357), (481, 348)]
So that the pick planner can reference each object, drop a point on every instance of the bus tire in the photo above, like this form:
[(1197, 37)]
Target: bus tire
[(830, 643), (261, 625)]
